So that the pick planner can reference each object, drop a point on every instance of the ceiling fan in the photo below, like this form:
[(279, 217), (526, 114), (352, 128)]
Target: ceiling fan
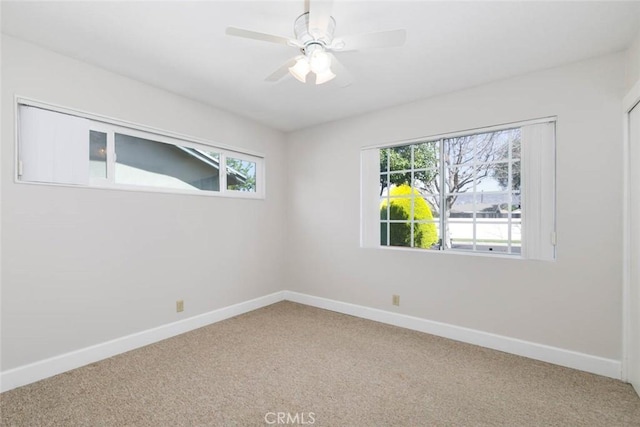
[(314, 37)]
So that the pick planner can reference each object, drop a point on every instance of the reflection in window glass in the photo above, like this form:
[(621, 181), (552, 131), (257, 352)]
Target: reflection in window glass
[(153, 164), (97, 154), (241, 175)]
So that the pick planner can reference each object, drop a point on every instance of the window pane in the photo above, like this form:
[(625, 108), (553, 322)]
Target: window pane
[(406, 203), (400, 178), (516, 205), (460, 234), (489, 235), (498, 175), (150, 163), (489, 147), (492, 236), (492, 205), (483, 205), (426, 155), (458, 151), (384, 159), (396, 208), (426, 235), (460, 205), (97, 154), (501, 142), (459, 179), (400, 158), (515, 176), (433, 201), (515, 146), (426, 180), (384, 182), (497, 178), (516, 235), (399, 234), (241, 175), (497, 144)]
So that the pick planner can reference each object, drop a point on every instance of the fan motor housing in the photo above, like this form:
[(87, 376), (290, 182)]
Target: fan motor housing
[(310, 36)]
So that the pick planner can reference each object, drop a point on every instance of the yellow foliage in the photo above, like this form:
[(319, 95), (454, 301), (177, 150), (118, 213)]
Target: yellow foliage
[(425, 234)]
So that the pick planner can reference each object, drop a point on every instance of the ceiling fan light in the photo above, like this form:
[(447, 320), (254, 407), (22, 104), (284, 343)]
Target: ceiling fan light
[(324, 77), (300, 69), (320, 62)]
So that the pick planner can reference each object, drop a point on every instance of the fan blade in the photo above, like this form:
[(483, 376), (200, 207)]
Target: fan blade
[(343, 77), (319, 15), (365, 41), (247, 34), (282, 71)]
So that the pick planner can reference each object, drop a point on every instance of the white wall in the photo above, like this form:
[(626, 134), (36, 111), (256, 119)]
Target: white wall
[(632, 74), (632, 332), (573, 303), (82, 266)]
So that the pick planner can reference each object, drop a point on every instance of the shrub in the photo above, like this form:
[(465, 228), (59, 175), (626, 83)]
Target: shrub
[(425, 235)]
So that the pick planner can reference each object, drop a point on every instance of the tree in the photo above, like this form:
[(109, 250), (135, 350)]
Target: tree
[(399, 159), (501, 170), (245, 174), (396, 207), (467, 160)]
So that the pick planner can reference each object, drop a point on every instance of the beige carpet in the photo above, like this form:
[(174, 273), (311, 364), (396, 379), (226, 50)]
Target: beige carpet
[(318, 368)]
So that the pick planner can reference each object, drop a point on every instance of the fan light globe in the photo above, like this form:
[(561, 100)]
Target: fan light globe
[(300, 69), (324, 77), (319, 62)]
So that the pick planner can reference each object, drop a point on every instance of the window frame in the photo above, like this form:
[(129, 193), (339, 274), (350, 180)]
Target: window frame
[(111, 126), (370, 236)]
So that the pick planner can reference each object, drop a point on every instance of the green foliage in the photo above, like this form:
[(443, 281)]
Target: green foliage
[(247, 171), (425, 234), (399, 158)]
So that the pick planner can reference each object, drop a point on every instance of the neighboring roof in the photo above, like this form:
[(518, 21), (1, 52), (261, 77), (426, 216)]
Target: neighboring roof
[(212, 161)]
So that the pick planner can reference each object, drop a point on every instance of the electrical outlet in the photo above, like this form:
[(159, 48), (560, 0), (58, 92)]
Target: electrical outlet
[(396, 300), (179, 305)]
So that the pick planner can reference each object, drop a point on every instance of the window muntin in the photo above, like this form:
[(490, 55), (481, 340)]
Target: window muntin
[(97, 154), (460, 193), (129, 158)]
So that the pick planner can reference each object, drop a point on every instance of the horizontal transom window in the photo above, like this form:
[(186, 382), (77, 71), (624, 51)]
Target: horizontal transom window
[(61, 148)]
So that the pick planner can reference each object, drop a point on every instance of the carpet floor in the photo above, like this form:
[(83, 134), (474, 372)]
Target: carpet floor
[(292, 364)]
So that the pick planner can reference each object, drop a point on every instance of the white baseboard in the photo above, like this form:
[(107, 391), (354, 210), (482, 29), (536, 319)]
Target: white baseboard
[(65, 362), (558, 356)]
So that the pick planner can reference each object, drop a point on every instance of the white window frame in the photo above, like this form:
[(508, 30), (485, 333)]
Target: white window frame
[(111, 126), (237, 156), (537, 192)]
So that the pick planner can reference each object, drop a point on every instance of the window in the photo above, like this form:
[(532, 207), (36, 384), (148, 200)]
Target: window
[(59, 148), (489, 191)]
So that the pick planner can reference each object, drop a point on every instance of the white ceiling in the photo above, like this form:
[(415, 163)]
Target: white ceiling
[(182, 47)]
